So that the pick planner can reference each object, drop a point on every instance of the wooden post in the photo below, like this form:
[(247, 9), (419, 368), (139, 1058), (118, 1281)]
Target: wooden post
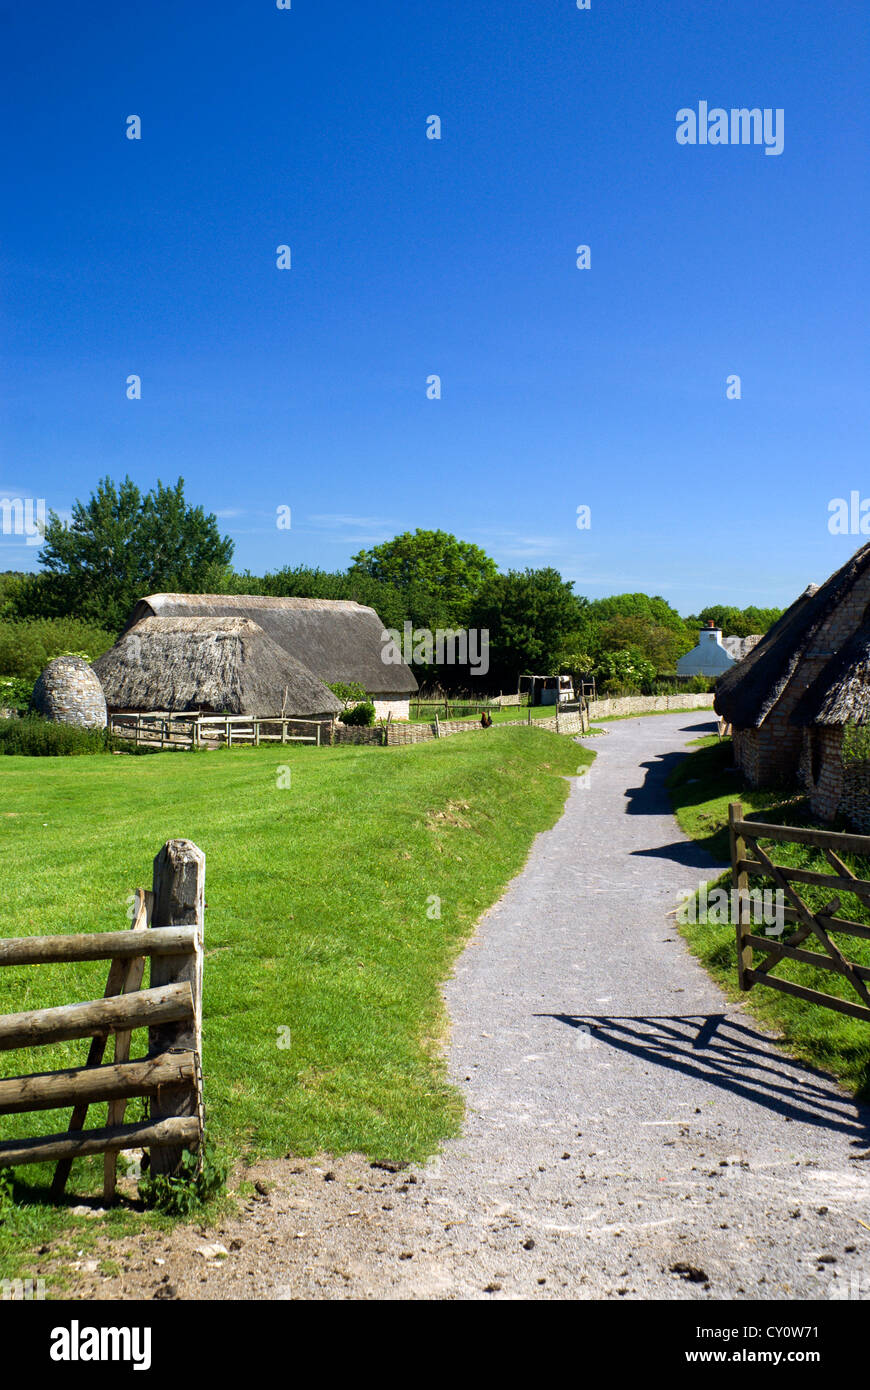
[(740, 881), (437, 726), (319, 726), (179, 900)]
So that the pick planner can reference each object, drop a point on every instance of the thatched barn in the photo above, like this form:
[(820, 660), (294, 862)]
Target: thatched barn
[(336, 639), (806, 676), (209, 665)]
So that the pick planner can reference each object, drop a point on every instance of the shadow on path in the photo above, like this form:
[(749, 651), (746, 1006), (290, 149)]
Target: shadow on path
[(727, 1054)]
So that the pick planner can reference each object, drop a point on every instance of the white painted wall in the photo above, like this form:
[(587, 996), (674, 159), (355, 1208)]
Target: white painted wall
[(397, 709)]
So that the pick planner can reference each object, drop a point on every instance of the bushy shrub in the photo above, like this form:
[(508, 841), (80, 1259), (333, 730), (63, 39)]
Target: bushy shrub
[(35, 737), (28, 645), (195, 1183), (856, 743), (363, 713), (15, 692), (347, 691)]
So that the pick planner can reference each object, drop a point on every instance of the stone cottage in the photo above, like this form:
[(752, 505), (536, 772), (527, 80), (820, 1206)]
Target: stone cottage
[(790, 697)]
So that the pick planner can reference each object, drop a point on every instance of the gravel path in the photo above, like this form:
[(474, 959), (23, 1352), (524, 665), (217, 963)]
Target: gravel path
[(629, 1133)]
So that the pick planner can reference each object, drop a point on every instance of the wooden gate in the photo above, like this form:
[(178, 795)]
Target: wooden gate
[(171, 1009), (748, 858)]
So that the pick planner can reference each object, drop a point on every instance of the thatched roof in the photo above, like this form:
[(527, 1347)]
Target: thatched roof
[(335, 638), (212, 664), (746, 693), (841, 694)]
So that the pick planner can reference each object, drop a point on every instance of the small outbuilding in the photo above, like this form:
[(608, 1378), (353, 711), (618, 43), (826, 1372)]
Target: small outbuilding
[(68, 692), (209, 665)]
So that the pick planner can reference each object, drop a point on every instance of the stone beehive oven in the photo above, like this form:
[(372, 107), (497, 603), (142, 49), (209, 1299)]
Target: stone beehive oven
[(69, 692)]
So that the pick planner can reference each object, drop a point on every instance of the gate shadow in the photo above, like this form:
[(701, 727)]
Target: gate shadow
[(726, 1053)]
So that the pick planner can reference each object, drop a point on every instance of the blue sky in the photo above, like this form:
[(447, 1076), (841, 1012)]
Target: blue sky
[(411, 257)]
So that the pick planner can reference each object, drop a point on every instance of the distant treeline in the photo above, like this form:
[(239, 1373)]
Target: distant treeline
[(122, 545)]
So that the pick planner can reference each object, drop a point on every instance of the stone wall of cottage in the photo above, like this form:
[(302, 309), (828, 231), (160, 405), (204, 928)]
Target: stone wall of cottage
[(821, 770), (855, 795)]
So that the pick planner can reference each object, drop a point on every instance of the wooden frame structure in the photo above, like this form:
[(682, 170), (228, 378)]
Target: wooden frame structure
[(748, 857), (171, 1009)]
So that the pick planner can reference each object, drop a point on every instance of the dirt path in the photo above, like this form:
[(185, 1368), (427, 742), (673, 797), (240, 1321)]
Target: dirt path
[(629, 1133)]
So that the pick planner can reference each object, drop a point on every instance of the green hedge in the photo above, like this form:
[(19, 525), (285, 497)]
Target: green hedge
[(40, 738), (27, 646)]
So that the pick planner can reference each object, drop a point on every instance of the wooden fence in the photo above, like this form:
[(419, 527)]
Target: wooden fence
[(168, 730), (749, 858), (171, 1009)]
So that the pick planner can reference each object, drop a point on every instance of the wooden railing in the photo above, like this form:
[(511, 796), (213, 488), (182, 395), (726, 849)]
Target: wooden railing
[(167, 730), (171, 1009), (749, 858)]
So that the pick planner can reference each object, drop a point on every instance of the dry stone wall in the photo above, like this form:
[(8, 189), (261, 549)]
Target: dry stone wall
[(68, 692)]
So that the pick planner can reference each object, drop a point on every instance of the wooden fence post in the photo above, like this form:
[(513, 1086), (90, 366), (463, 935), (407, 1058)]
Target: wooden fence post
[(740, 881), (179, 900)]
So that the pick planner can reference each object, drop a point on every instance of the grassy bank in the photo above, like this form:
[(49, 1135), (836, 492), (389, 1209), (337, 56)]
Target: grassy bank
[(701, 786), (324, 1025), (508, 714)]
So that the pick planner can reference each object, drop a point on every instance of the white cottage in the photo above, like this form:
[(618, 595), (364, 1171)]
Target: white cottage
[(709, 657)]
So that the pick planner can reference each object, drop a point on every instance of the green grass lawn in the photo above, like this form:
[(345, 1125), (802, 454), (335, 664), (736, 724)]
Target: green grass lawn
[(323, 1021), (508, 714), (702, 785)]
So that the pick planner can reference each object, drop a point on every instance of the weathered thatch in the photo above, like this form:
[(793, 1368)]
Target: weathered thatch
[(335, 638), (214, 665), (841, 693), (747, 693)]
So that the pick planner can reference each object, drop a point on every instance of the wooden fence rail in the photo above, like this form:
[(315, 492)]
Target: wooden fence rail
[(816, 925), (164, 729), (170, 1076)]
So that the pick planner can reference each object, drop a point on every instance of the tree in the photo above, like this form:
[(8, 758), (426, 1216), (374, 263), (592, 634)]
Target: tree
[(624, 671), (658, 644), (651, 610), (529, 615), (119, 546), (736, 622), (439, 577)]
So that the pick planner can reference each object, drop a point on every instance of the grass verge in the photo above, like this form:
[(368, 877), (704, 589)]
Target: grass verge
[(701, 786), (324, 1024)]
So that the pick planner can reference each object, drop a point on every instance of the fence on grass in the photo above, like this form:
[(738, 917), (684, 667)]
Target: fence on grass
[(170, 1008), (748, 857), (163, 729)]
